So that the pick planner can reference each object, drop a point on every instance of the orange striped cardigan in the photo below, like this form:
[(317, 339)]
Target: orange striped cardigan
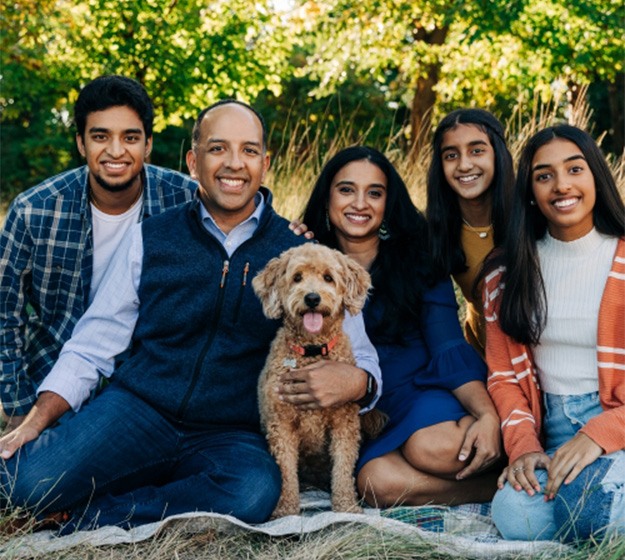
[(513, 382)]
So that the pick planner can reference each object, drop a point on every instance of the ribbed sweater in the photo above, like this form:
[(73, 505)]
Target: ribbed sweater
[(513, 383), (574, 273)]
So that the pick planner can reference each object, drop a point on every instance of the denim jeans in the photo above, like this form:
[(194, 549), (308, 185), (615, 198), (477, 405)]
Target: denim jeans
[(119, 462), (593, 504)]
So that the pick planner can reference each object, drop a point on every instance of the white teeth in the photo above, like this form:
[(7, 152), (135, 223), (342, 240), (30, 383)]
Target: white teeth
[(565, 203), (357, 217), (115, 165), (232, 182), (468, 178)]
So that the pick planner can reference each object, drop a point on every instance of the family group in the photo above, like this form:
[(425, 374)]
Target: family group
[(131, 340)]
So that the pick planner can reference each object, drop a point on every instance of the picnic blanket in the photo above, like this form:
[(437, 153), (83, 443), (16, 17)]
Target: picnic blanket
[(465, 530)]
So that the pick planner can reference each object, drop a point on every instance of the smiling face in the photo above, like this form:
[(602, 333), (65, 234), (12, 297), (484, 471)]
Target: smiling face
[(564, 189), (229, 162), (468, 161), (357, 201), (115, 147)]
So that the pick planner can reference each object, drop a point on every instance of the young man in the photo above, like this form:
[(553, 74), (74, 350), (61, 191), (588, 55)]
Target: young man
[(60, 235), (177, 429)]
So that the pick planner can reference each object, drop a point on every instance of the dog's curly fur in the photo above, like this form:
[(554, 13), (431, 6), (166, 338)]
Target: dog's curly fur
[(284, 287)]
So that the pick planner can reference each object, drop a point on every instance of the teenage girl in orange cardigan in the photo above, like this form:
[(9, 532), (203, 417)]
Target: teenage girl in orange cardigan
[(555, 344)]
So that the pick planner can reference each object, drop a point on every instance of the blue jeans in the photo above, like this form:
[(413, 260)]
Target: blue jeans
[(592, 505), (119, 462)]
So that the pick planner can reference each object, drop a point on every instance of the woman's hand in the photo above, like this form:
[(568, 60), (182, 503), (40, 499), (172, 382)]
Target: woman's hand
[(299, 228), (521, 473), (483, 437), (569, 460)]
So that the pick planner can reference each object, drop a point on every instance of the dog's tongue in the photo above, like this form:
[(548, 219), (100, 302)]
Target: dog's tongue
[(313, 321)]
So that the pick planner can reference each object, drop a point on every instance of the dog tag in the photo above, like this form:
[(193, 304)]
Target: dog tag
[(290, 362)]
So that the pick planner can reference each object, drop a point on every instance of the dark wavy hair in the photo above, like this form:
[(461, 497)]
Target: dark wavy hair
[(402, 268), (523, 311), (443, 210), (113, 91)]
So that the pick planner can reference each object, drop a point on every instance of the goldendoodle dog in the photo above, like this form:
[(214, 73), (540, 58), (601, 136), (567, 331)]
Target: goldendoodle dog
[(310, 287)]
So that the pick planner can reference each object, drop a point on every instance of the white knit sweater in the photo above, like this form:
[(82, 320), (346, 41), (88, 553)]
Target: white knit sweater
[(575, 274)]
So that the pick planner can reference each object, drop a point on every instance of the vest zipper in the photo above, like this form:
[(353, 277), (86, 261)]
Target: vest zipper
[(208, 343), (237, 307)]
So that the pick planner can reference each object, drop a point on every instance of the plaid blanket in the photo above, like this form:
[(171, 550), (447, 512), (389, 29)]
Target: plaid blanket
[(465, 530)]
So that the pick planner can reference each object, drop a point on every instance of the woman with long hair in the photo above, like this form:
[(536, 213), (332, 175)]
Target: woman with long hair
[(443, 432), (555, 346), (470, 181)]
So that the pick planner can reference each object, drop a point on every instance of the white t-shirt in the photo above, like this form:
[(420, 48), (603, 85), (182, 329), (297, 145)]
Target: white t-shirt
[(108, 231)]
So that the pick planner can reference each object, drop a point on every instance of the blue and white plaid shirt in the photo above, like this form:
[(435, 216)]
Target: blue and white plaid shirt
[(46, 258)]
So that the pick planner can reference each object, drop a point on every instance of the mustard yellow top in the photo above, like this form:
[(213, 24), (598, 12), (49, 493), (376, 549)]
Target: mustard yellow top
[(475, 249)]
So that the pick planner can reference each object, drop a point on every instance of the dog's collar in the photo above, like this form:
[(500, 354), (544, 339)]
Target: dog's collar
[(314, 349)]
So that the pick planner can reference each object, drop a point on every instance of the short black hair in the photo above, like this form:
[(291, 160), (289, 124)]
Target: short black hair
[(113, 91), (195, 135)]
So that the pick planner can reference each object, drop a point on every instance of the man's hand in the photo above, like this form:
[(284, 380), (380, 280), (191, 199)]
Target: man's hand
[(483, 437), (299, 228), (11, 442), (10, 422), (323, 384), (569, 460), (47, 410)]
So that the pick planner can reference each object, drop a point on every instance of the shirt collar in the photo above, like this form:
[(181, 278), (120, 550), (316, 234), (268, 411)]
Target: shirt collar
[(259, 201)]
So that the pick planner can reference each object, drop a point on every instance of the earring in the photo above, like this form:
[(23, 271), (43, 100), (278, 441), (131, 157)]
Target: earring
[(328, 220), (383, 232), (532, 202)]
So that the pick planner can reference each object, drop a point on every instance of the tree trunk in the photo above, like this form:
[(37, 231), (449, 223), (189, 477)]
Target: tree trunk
[(425, 96)]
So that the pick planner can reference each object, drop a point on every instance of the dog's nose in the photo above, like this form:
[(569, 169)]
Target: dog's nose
[(312, 299)]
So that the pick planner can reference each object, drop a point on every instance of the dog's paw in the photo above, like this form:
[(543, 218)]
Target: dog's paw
[(346, 507), (283, 510)]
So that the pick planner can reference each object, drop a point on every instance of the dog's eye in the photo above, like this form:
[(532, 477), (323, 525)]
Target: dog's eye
[(328, 278), (297, 277)]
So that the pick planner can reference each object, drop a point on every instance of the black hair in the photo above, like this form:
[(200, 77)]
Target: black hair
[(113, 91), (523, 310), (195, 135), (402, 269), (443, 209)]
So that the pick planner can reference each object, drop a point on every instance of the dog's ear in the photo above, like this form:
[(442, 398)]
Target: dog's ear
[(357, 285), (266, 288)]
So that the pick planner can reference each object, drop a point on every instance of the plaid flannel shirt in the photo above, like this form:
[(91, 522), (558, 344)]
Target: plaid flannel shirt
[(46, 250)]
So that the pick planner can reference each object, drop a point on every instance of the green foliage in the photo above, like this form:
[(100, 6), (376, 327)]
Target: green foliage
[(375, 64)]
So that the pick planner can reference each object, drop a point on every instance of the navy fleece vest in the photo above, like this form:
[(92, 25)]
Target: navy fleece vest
[(201, 338)]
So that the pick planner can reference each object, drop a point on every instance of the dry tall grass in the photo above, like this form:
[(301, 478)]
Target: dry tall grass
[(297, 164)]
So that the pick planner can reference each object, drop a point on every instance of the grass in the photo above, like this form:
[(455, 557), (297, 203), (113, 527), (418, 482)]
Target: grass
[(291, 177), (346, 542)]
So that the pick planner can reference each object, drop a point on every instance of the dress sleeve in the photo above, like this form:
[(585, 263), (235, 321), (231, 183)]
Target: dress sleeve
[(453, 362)]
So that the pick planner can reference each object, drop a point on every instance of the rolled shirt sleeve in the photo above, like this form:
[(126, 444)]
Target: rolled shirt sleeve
[(364, 352), (104, 331)]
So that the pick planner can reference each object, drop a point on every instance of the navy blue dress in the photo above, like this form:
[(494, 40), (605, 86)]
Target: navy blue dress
[(418, 377)]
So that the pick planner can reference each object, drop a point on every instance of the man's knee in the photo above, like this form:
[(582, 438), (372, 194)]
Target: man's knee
[(24, 484), (259, 492)]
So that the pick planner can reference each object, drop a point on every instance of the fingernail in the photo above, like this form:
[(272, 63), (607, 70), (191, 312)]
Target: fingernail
[(462, 457)]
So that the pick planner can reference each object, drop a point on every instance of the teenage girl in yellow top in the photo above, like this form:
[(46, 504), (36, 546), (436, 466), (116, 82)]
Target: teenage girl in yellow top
[(470, 180)]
